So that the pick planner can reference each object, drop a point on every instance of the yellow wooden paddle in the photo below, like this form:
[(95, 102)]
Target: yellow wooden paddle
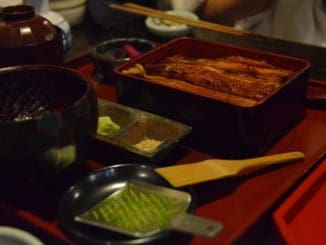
[(212, 169)]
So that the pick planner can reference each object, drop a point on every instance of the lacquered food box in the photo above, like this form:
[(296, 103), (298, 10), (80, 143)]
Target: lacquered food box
[(219, 127)]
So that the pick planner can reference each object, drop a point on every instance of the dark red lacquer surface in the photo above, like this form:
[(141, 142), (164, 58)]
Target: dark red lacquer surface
[(302, 217), (239, 203)]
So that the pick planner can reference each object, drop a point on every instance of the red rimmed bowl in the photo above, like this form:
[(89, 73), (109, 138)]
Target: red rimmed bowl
[(47, 116)]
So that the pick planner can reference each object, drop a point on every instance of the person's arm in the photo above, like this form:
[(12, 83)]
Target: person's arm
[(229, 11)]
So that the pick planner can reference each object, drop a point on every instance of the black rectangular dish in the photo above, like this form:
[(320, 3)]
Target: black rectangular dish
[(131, 135)]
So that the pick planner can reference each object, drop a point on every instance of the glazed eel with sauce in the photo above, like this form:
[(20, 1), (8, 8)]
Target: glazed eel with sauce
[(242, 77)]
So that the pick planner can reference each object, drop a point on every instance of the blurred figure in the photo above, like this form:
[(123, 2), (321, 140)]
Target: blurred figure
[(295, 20)]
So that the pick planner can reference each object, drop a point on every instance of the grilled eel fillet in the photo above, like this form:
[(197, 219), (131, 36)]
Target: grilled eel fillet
[(235, 75)]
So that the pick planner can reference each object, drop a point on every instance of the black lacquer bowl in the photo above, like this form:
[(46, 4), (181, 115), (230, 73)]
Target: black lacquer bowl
[(47, 116), (110, 53)]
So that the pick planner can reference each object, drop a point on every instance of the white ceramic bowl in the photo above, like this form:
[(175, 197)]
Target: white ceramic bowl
[(72, 10), (168, 29), (14, 236)]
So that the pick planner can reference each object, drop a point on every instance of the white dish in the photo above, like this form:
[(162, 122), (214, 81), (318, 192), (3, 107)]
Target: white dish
[(65, 4), (14, 236), (166, 28), (72, 10), (74, 15)]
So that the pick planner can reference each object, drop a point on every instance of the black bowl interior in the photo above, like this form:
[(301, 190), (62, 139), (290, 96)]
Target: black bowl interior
[(94, 188), (34, 91), (112, 50)]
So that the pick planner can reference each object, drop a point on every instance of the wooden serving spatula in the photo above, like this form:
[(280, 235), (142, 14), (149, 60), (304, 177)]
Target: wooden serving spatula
[(212, 169)]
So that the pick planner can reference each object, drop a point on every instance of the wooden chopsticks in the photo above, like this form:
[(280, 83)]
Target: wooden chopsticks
[(142, 10)]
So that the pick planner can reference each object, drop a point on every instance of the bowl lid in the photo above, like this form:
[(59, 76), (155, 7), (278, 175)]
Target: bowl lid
[(18, 12), (22, 27)]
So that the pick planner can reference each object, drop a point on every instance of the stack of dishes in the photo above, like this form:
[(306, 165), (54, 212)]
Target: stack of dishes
[(72, 10)]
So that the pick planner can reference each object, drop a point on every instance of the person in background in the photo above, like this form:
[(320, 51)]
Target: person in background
[(6, 3), (295, 20)]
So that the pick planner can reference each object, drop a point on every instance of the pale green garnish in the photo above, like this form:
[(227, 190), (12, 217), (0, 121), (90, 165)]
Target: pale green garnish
[(106, 126)]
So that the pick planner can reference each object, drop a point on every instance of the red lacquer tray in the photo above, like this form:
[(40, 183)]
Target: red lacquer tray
[(316, 94), (301, 219), (243, 204)]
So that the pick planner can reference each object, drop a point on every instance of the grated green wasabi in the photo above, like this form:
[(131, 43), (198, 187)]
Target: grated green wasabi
[(106, 126), (136, 211)]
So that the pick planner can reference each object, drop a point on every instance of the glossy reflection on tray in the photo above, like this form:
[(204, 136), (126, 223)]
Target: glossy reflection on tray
[(136, 134), (300, 219)]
